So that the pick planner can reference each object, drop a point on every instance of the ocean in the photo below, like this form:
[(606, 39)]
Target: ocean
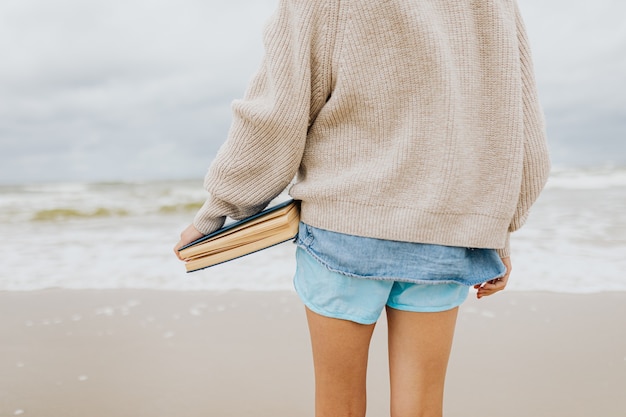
[(121, 235)]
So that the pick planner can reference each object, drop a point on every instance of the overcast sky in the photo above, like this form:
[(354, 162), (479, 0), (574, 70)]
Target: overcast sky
[(141, 89)]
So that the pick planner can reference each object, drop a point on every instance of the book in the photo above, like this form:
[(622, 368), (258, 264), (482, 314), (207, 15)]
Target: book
[(270, 227)]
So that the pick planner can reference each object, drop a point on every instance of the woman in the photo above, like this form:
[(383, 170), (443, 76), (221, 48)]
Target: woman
[(418, 142)]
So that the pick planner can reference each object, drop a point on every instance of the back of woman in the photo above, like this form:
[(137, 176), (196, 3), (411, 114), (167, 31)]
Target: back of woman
[(416, 139)]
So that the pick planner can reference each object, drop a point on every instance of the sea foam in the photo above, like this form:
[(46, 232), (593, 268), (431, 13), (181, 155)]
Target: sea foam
[(121, 235)]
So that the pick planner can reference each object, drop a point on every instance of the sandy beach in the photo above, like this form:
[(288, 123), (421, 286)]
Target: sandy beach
[(132, 353)]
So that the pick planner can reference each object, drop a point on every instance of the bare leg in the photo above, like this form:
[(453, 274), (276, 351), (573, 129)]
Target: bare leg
[(419, 349), (340, 351)]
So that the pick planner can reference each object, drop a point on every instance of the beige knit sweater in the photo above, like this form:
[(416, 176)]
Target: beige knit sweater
[(406, 120)]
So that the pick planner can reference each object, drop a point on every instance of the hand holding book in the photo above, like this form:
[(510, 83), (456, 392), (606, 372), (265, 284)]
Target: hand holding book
[(187, 236), (270, 227)]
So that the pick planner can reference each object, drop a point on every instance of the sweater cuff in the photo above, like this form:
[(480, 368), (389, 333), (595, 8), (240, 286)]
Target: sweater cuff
[(204, 222), (505, 252)]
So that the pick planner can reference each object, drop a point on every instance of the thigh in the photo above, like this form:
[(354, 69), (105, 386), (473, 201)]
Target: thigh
[(340, 353), (419, 349)]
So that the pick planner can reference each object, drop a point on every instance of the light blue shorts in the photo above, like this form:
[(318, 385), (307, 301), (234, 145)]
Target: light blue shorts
[(361, 300)]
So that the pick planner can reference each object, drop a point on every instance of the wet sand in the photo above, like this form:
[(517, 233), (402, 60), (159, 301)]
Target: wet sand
[(133, 353)]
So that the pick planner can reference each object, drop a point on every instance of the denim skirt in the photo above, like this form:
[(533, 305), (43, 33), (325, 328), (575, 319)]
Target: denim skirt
[(379, 259)]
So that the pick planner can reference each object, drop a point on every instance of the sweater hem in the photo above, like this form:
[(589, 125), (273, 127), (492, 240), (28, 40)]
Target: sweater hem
[(407, 224)]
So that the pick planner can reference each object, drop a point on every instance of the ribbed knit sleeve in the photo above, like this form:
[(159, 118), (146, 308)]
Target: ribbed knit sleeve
[(269, 128), (536, 163)]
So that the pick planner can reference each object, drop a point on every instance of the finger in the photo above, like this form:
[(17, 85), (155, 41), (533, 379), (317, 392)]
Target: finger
[(481, 294), (491, 287), (494, 282), (176, 252), (187, 236)]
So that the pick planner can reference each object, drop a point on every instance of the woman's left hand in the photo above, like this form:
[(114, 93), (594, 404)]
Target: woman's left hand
[(187, 236), (493, 286)]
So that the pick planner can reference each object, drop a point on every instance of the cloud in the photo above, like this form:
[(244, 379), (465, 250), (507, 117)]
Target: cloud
[(137, 89), (87, 83), (580, 60)]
